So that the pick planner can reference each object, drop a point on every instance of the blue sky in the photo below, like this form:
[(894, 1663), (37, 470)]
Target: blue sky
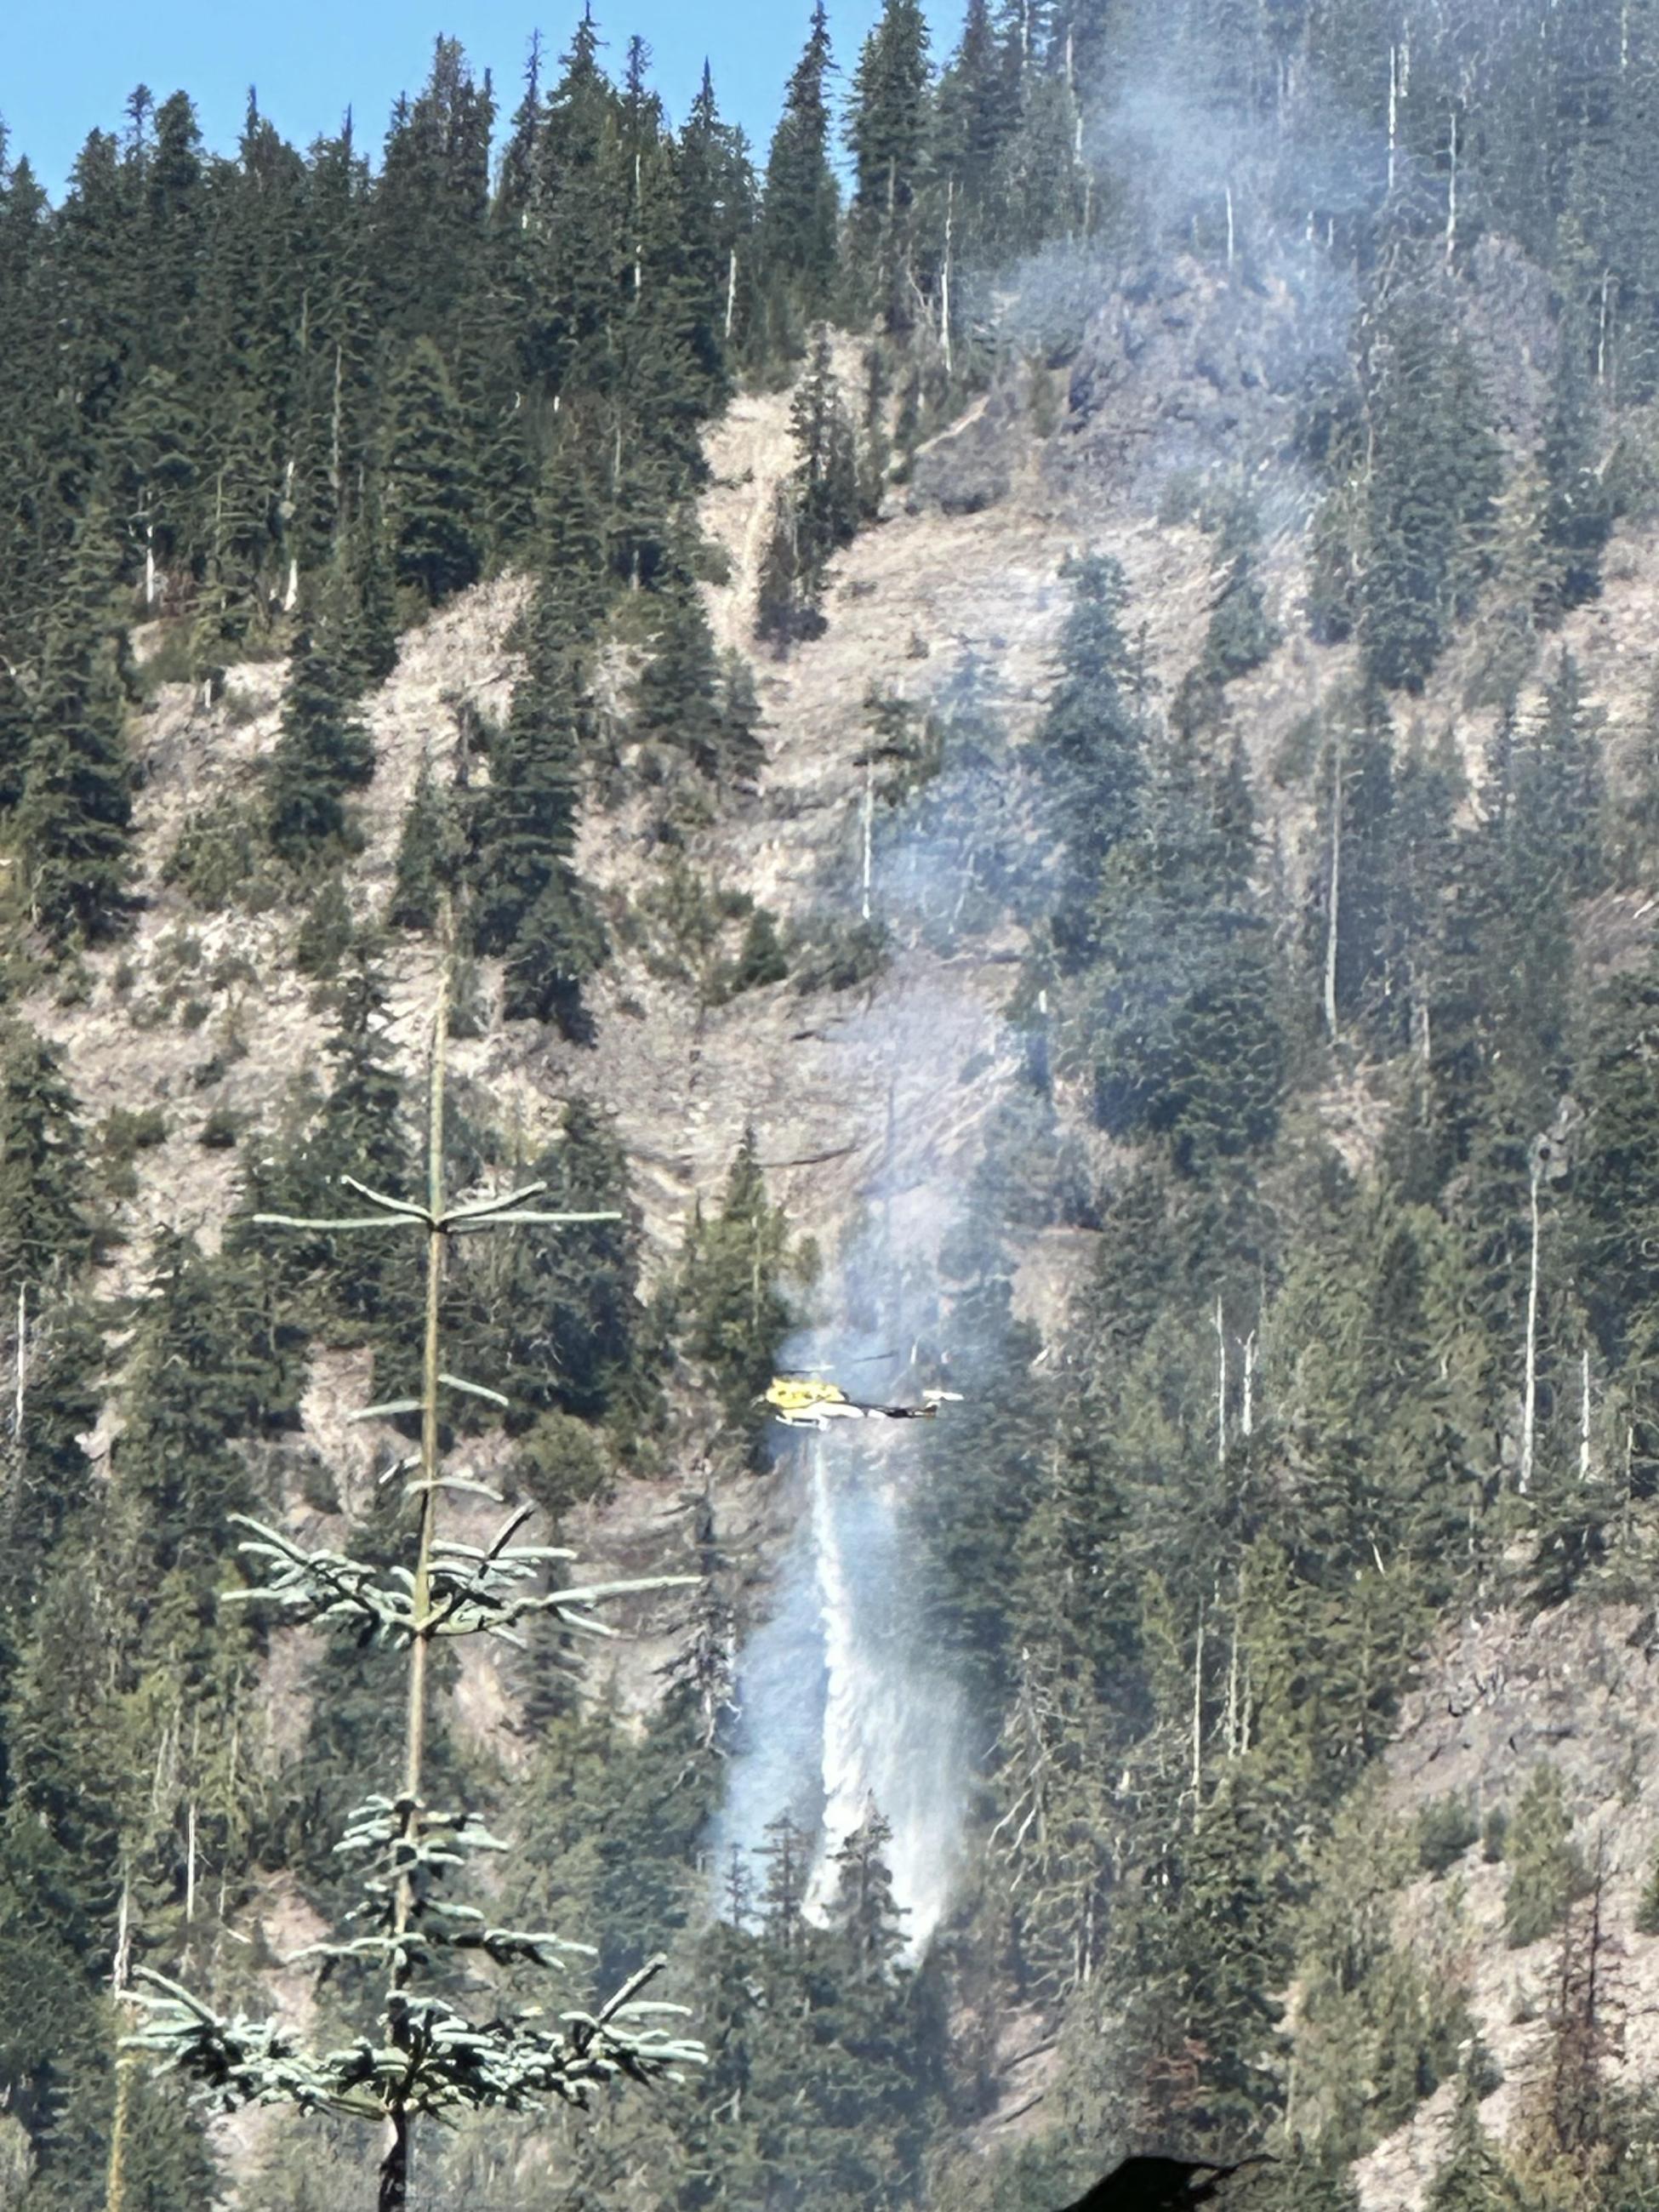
[(68, 68)]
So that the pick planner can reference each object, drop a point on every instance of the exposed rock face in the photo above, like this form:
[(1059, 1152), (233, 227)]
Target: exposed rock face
[(1182, 369)]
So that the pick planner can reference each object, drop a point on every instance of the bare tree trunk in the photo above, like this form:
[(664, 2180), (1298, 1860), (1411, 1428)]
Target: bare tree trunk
[(639, 225), (1451, 194), (1333, 916), (1393, 115), (20, 1395), (1220, 1387), (869, 830), (1249, 1385), (731, 292), (944, 274), (337, 433), (1198, 1719), (1233, 1692), (1529, 1400), (1584, 1418)]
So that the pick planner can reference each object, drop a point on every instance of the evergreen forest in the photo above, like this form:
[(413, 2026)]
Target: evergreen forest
[(1001, 756)]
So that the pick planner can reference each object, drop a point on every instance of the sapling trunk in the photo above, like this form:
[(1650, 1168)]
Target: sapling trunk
[(396, 2164)]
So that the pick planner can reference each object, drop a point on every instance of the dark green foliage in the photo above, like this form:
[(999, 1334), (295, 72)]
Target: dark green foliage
[(430, 853), (1577, 514), (48, 1229), (1241, 633), (1447, 1828), (801, 203), (430, 494), (1546, 1871), (735, 1313), (328, 932), (74, 809), (687, 699), (887, 133), (323, 754), (786, 607), (555, 1319), (1189, 1574), (360, 1286), (1472, 2177), (761, 957), (826, 464), (1092, 745), (526, 904), (197, 1382), (1403, 541), (816, 513)]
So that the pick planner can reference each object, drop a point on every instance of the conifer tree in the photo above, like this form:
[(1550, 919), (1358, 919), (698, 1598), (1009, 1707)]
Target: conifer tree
[(676, 698), (1472, 2177), (429, 851), (431, 206), (864, 1910), (366, 599), (817, 512), (558, 1322), (48, 1230), (324, 753), (887, 134), (430, 489), (736, 1313), (785, 607), (973, 116), (1241, 633), (358, 1126), (689, 698), (527, 904), (1091, 754), (1429, 495), (74, 810), (718, 196), (826, 464), (188, 1398), (800, 210), (1545, 1873), (1577, 514)]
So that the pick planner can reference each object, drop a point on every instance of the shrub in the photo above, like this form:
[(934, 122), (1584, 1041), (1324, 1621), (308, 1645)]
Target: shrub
[(561, 1463), (221, 861), (1446, 1828), (829, 955), (220, 1131), (1546, 1871), (129, 1130)]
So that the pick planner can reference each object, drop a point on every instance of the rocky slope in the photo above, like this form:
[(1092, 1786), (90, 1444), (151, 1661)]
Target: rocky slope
[(885, 1086)]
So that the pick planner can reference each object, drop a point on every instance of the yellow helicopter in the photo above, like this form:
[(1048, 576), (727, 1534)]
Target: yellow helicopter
[(811, 1401)]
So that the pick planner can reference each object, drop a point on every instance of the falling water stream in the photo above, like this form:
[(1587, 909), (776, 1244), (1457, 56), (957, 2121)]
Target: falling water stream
[(845, 1711)]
